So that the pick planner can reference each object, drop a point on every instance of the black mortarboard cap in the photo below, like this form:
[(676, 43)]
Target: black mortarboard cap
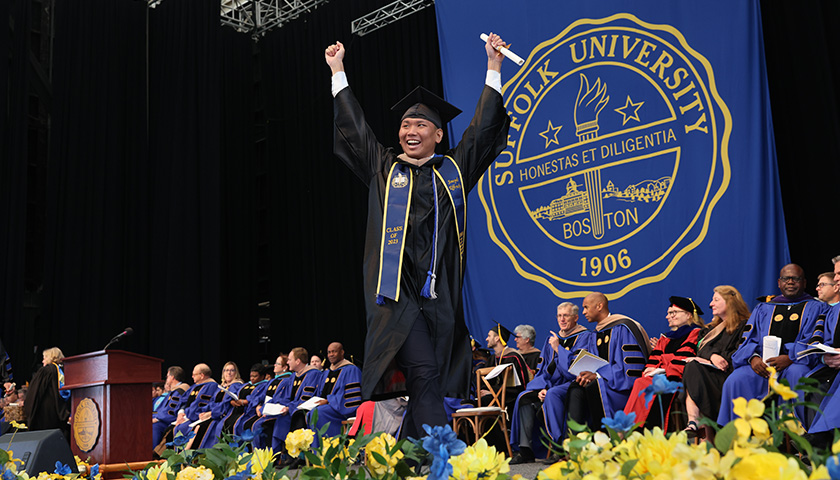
[(503, 333), (686, 304), (421, 103)]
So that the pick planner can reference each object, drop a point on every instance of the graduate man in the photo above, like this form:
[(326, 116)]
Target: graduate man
[(414, 247)]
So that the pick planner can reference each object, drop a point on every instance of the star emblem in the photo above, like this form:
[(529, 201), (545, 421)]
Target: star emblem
[(550, 134), (624, 111)]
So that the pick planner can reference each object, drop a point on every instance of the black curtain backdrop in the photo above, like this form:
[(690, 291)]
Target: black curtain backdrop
[(13, 185), (191, 173)]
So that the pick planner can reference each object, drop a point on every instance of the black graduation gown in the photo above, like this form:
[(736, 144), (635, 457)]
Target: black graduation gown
[(705, 384), (45, 408), (388, 325)]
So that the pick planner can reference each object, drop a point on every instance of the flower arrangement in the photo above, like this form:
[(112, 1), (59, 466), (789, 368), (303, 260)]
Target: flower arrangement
[(750, 447)]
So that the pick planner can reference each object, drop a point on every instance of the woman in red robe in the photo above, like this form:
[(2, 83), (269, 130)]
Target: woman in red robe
[(668, 358)]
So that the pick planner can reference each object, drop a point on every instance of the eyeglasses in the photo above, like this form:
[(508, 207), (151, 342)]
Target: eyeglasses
[(673, 313), (825, 284), (790, 279)]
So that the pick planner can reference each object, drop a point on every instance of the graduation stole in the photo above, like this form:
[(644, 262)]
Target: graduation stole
[(395, 222)]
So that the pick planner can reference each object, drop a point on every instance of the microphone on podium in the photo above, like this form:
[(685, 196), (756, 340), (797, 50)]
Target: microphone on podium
[(128, 331)]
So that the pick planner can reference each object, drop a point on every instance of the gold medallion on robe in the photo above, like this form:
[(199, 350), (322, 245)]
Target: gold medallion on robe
[(794, 317), (778, 318)]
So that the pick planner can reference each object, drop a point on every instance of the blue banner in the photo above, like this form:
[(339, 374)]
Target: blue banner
[(640, 161)]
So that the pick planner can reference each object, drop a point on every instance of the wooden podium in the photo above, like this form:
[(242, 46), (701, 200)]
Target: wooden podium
[(111, 417)]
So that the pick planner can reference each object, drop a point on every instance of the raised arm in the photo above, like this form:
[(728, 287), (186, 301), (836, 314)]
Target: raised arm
[(334, 55)]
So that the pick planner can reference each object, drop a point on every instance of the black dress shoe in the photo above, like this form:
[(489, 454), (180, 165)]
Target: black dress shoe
[(518, 459), (551, 460)]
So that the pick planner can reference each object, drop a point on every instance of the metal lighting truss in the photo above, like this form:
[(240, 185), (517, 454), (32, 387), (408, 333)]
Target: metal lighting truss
[(386, 15), (259, 16)]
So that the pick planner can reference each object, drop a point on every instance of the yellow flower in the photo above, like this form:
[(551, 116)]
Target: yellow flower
[(750, 421), (695, 462), (382, 444), (601, 470), (767, 465), (195, 473), (479, 461), (158, 472), (795, 426), (261, 459), (835, 449), (340, 453), (784, 391), (820, 473), (555, 471), (653, 450), (298, 441), (19, 426)]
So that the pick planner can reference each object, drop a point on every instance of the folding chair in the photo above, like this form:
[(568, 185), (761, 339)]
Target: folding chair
[(478, 417)]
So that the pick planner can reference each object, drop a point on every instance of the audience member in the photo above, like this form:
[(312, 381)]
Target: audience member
[(265, 425), (791, 316), (704, 374), (197, 399), (525, 336), (316, 362), (667, 358), (827, 289), (625, 345), (209, 431), (340, 389), (261, 375), (163, 417), (303, 386), (497, 340), (545, 395)]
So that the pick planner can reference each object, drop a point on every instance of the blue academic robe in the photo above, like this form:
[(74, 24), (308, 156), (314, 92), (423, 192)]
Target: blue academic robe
[(219, 411), (625, 345), (275, 388), (792, 321), (797, 322), (345, 395), (830, 405), (167, 413), (200, 399), (249, 416), (303, 387), (552, 375)]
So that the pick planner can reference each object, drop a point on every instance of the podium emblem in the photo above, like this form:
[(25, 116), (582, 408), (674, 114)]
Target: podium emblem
[(86, 425)]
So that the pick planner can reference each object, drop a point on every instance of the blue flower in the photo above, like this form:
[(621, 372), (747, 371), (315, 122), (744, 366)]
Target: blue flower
[(833, 466), (94, 471), (8, 474), (180, 440), (441, 468), (621, 422), (249, 435), (442, 443), (243, 475), (62, 469), (660, 385)]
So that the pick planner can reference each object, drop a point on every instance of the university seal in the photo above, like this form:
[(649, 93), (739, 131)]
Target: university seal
[(616, 157)]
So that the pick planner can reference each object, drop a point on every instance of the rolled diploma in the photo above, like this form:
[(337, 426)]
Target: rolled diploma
[(516, 58)]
